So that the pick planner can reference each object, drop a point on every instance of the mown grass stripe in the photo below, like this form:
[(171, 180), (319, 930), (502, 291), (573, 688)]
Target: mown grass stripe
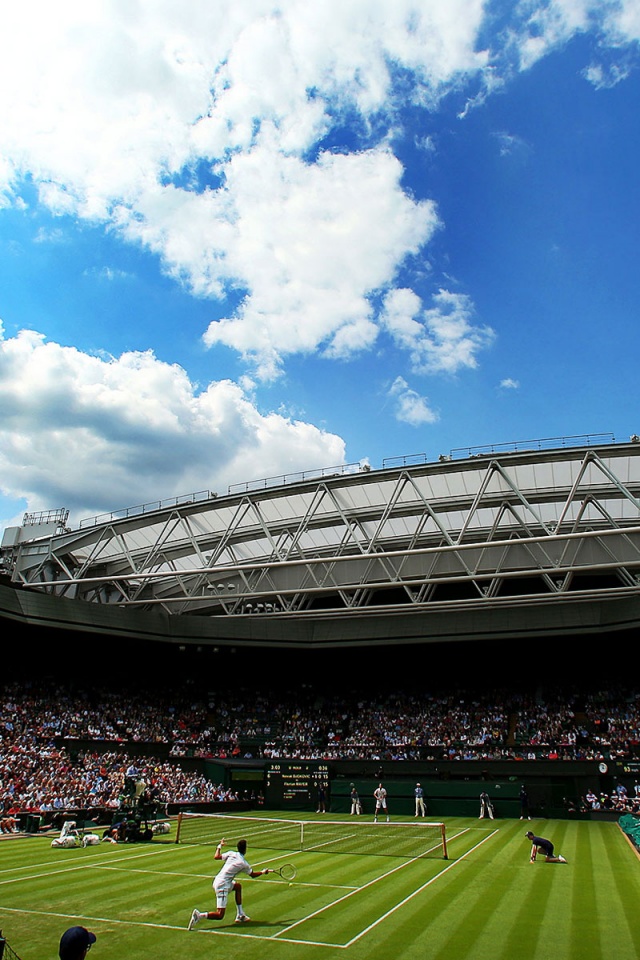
[(493, 905), (618, 885), (584, 912)]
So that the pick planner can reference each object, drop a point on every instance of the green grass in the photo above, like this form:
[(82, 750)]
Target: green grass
[(486, 902)]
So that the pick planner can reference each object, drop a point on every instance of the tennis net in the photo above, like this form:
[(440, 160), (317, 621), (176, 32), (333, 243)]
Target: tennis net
[(398, 839)]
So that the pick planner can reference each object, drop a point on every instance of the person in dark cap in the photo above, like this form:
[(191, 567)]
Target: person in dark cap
[(75, 943), (540, 845)]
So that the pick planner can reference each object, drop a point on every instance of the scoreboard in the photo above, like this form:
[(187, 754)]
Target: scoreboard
[(295, 785)]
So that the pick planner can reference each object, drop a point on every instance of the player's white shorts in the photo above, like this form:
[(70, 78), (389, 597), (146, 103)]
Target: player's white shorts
[(222, 891)]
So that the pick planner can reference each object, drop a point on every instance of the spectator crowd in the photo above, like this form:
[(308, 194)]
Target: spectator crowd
[(64, 746)]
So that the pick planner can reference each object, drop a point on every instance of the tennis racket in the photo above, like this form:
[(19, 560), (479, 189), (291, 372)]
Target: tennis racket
[(287, 871)]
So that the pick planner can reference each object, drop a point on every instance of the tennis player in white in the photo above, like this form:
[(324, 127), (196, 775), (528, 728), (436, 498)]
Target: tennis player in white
[(381, 802), (225, 881)]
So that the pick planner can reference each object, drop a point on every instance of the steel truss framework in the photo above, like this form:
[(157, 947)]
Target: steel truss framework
[(478, 536)]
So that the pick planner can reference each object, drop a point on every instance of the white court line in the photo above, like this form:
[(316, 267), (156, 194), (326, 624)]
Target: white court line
[(207, 876), (98, 862), (245, 934), (85, 864), (329, 906), (155, 873), (154, 926), (419, 890), (87, 919), (45, 863), (441, 873)]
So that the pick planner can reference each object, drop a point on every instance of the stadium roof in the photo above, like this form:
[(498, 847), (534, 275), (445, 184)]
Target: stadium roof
[(497, 544)]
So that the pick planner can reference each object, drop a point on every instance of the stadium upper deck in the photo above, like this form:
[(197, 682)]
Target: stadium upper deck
[(497, 544)]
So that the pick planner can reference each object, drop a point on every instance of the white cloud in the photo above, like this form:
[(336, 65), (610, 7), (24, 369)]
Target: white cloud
[(509, 143), (103, 100), (441, 339), (491, 81), (549, 25), (410, 407), (118, 111), (311, 242), (110, 274), (510, 384), (196, 131), (53, 236), (622, 21), (604, 78), (93, 435), (539, 28), (112, 109), (426, 144)]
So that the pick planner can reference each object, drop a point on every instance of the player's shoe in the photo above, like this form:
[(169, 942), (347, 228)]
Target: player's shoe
[(195, 917), (242, 918), (561, 859)]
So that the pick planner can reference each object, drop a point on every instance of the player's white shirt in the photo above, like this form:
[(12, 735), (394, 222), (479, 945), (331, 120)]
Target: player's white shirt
[(234, 863), (381, 796)]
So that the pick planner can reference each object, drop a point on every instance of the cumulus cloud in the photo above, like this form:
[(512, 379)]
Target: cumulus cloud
[(194, 132), (108, 100), (440, 339), (312, 241), (410, 407), (549, 25), (624, 20), (109, 104), (213, 135), (94, 434), (510, 384), (604, 77)]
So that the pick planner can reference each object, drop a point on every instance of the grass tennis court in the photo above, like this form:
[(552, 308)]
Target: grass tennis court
[(485, 901)]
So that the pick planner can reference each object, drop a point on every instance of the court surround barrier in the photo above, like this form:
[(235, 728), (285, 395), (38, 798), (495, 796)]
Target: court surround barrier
[(630, 826)]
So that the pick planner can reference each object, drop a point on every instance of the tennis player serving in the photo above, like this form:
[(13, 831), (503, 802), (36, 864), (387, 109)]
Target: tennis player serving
[(234, 863)]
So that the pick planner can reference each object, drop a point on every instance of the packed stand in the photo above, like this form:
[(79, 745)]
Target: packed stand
[(62, 746), (42, 770)]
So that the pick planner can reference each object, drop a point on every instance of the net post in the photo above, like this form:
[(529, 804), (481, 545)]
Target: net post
[(178, 825), (443, 834)]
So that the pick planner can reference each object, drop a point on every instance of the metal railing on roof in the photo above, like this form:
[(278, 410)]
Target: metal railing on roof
[(59, 516), (150, 507), (410, 460), (360, 466), (524, 446), (299, 477)]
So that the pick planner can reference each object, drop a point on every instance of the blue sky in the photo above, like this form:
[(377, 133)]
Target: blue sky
[(242, 240)]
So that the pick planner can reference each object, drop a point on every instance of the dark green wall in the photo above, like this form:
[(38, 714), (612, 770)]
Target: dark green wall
[(461, 798)]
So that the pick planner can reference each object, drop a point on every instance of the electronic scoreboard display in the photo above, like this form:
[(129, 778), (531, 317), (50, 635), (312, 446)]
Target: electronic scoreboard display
[(295, 785)]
